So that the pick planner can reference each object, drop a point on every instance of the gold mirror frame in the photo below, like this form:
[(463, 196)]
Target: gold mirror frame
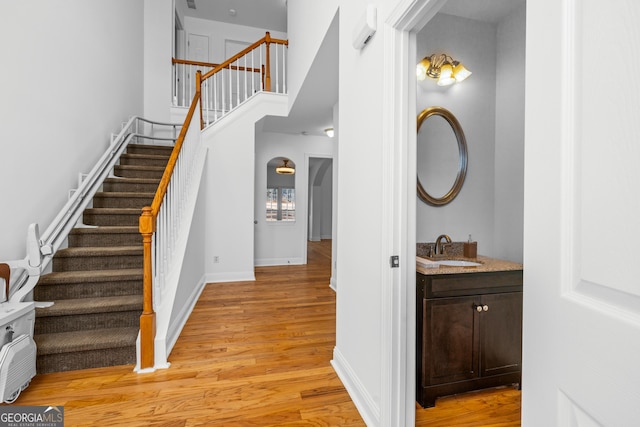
[(462, 156)]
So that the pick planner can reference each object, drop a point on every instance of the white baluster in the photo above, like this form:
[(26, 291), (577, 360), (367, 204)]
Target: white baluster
[(253, 75), (284, 68), (230, 89), (261, 76), (245, 77), (275, 47), (215, 97)]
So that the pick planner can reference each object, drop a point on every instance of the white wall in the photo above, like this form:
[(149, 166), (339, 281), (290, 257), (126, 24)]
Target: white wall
[(326, 204), (358, 352), (284, 242), (307, 24), (509, 148), (230, 183), (219, 32), (72, 75), (473, 103), (158, 46)]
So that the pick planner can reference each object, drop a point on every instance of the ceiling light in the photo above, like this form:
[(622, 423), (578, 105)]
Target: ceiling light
[(329, 132), (285, 169), (442, 68)]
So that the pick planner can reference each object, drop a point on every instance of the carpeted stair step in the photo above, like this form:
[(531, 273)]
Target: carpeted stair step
[(122, 200), (89, 314), (86, 349), (105, 236), (150, 150), (89, 284), (134, 171), (144, 159), (112, 216), (131, 185), (97, 258)]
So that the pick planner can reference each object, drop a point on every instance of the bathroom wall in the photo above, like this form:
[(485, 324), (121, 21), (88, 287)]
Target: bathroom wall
[(509, 160), (473, 103), (490, 108)]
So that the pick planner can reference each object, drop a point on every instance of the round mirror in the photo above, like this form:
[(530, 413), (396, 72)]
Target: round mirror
[(441, 156)]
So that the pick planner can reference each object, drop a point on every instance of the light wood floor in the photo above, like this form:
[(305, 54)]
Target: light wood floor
[(252, 354)]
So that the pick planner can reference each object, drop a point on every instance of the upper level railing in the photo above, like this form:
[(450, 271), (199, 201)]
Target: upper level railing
[(261, 67)]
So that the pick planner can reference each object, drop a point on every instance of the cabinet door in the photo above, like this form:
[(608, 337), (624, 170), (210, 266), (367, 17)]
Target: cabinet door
[(450, 340), (501, 334)]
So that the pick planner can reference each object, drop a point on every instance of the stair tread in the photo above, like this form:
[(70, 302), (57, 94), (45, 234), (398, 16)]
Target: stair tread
[(67, 307), (123, 194), (99, 251), (147, 156), (66, 342), (90, 276), (114, 211), (106, 229), (142, 167), (165, 147), (133, 180)]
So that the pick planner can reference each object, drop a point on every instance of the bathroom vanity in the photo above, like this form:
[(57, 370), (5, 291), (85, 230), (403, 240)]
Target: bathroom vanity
[(469, 328)]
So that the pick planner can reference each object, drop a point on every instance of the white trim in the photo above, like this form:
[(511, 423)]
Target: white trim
[(265, 262), (398, 213), (365, 404), (232, 276)]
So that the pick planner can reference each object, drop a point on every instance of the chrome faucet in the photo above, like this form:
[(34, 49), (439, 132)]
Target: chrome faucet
[(438, 248)]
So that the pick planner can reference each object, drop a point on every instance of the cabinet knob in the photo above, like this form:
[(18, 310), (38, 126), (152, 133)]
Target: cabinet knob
[(479, 308), (485, 308)]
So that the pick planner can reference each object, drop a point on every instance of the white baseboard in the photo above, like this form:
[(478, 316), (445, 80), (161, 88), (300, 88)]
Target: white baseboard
[(369, 411), (234, 276), (268, 262)]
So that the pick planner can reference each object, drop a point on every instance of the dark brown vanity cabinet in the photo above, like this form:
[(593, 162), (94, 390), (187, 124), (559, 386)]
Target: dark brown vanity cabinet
[(469, 332)]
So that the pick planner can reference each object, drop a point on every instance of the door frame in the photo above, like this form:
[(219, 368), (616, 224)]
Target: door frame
[(399, 214)]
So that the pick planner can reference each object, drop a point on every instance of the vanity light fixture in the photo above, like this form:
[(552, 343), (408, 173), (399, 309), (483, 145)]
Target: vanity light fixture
[(443, 68), (329, 132), (285, 169)]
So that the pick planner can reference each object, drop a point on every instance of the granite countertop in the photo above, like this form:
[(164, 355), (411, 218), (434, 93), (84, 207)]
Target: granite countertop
[(487, 265)]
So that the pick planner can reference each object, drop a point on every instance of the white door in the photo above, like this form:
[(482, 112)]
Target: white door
[(239, 91), (582, 214), (197, 50)]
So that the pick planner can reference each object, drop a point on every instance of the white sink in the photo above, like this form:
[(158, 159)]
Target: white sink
[(458, 263)]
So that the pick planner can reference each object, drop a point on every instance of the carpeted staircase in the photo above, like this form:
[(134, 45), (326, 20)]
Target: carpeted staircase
[(96, 282)]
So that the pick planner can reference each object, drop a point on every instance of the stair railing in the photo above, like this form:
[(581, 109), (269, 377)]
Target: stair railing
[(160, 224), (261, 67), (41, 248), (184, 78)]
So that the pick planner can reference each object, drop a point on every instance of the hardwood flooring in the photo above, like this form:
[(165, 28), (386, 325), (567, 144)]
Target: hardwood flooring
[(252, 354)]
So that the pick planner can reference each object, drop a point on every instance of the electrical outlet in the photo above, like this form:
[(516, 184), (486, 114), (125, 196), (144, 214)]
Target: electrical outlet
[(216, 259)]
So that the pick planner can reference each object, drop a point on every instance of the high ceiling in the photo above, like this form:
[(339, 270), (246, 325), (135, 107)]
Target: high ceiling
[(312, 111), (266, 14)]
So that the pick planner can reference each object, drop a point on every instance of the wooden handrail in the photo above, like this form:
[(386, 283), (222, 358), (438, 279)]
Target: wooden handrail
[(147, 227), (242, 53), (190, 62), (211, 65)]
